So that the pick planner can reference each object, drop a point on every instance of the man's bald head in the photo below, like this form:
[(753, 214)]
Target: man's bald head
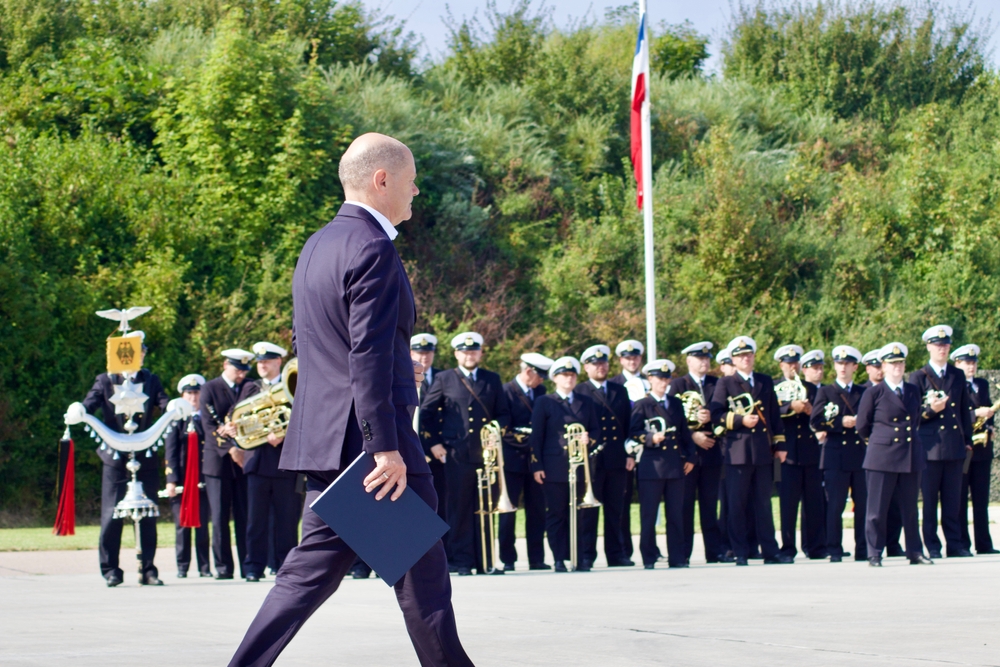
[(366, 155)]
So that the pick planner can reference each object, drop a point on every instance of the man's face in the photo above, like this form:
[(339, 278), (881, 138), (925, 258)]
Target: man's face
[(845, 370), (468, 359), (744, 362), (968, 367), (939, 352), (632, 363), (727, 369), (531, 377), (194, 398), (231, 373), (658, 385), (894, 370), (813, 373), (789, 368), (875, 373), (597, 370), (699, 365), (269, 368), (422, 357), (396, 190), (565, 382)]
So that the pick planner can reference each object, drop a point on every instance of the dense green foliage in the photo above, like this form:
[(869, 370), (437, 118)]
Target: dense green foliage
[(178, 153)]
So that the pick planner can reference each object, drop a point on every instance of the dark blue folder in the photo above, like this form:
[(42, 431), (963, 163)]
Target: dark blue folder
[(390, 536)]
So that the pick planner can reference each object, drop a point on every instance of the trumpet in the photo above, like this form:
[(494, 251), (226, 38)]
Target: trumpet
[(578, 455), (491, 438), (692, 402), (790, 390), (741, 405)]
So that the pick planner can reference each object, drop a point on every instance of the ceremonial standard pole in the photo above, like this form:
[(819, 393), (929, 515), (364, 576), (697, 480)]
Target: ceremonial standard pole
[(640, 94)]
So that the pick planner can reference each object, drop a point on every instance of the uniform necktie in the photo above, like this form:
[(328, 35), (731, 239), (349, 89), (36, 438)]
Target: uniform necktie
[(899, 391), (972, 387), (531, 396)]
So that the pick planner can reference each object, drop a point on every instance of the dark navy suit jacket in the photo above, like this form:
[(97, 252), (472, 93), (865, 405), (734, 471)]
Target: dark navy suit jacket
[(844, 449), (516, 449), (353, 316), (99, 398), (679, 385), (665, 460), (217, 401), (614, 412), (453, 417), (548, 426), (742, 445), (945, 434), (889, 424)]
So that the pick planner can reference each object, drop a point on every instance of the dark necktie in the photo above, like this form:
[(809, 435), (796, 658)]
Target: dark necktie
[(899, 392), (972, 387)]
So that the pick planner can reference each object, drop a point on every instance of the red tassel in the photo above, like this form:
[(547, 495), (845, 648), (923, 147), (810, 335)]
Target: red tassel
[(191, 498), (66, 511)]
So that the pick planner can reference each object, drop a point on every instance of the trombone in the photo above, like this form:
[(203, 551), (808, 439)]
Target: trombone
[(578, 455), (491, 438)]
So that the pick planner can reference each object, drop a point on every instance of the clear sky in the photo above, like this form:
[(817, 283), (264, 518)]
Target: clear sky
[(425, 17)]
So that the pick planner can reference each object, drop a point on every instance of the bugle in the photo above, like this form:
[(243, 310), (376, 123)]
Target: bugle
[(490, 475)]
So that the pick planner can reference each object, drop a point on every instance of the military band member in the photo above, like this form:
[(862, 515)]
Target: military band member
[(894, 522), (873, 368), (725, 361), (744, 404), (270, 491), (550, 461), (834, 419), (630, 358), (460, 402), (224, 479), (522, 391), (977, 479), (114, 475), (888, 419), (423, 348), (611, 467), (703, 480), (661, 441), (176, 446), (946, 434)]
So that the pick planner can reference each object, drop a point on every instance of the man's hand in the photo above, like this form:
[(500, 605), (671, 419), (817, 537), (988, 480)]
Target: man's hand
[(237, 455), (703, 440), (750, 421), (418, 373), (227, 430), (630, 463), (821, 436), (274, 440), (781, 456), (984, 413), (659, 437), (704, 416), (540, 477), (850, 421), (939, 404), (389, 471), (171, 489), (585, 438), (798, 407), (688, 467), (440, 453)]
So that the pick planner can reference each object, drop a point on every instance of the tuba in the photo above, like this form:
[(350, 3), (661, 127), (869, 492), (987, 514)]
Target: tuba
[(692, 402), (790, 390), (578, 455), (267, 412), (491, 438)]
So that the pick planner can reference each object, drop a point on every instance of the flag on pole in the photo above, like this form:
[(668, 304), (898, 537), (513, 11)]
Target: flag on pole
[(640, 86)]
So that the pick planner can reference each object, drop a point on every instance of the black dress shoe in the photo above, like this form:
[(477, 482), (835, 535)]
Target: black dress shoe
[(649, 566), (960, 553), (779, 559), (756, 555), (204, 574), (182, 575), (920, 559), (150, 580), (273, 572), (895, 552), (584, 566), (875, 561), (676, 566), (728, 557), (836, 559), (560, 566), (621, 562), (113, 580), (508, 567), (741, 561), (933, 553), (464, 571), (360, 573), (252, 578), (452, 569), (221, 577), (984, 552), (539, 566), (496, 570)]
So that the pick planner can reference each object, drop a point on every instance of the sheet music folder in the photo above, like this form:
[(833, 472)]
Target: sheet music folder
[(390, 536)]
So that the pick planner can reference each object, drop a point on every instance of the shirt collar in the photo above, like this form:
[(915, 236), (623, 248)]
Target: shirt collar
[(892, 386), (937, 369), (524, 387), (658, 399), (390, 231), (469, 374), (565, 397), (845, 386), (745, 377), (698, 379), (271, 382), (232, 385), (599, 385), (628, 375)]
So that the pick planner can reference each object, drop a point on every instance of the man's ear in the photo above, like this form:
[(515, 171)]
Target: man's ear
[(381, 176)]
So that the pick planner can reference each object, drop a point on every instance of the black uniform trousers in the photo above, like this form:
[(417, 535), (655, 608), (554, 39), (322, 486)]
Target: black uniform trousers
[(836, 484), (977, 484), (557, 522), (266, 495), (609, 487), (750, 522), (114, 484), (463, 545), (182, 538), (880, 490), (802, 484), (627, 548), (894, 530), (750, 485), (534, 519), (703, 482), (671, 492), (943, 480), (228, 497), (313, 572)]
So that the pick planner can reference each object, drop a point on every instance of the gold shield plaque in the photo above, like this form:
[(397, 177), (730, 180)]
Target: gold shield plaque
[(124, 354)]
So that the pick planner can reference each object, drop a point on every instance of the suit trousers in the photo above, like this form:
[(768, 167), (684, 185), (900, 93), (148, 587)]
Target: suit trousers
[(534, 518), (627, 514), (894, 527), (671, 493), (942, 480), (182, 538), (609, 487), (880, 489), (114, 485), (751, 522), (463, 542), (802, 484), (557, 522), (228, 497), (703, 482), (750, 485), (313, 572), (836, 484), (977, 484), (267, 497)]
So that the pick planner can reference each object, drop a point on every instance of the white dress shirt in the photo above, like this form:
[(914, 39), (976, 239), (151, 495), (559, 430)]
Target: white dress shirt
[(382, 220)]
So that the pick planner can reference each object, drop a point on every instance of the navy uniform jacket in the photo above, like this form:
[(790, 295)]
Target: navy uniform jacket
[(99, 398), (217, 400), (945, 434), (844, 449), (665, 460), (453, 417), (742, 445), (353, 316), (262, 460), (614, 412), (889, 425), (679, 385), (425, 386), (981, 399), (800, 442), (516, 449), (176, 446), (548, 425)]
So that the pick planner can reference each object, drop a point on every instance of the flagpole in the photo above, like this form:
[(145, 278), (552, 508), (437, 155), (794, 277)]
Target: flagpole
[(647, 203)]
